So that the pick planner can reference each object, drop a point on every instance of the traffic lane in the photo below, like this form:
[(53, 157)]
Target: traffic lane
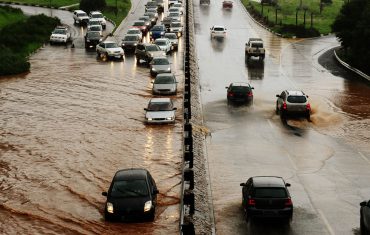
[(67, 128), (270, 79)]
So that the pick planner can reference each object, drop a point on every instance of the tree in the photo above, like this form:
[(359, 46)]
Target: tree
[(92, 5)]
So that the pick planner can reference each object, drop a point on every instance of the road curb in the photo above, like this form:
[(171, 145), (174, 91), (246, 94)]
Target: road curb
[(349, 67)]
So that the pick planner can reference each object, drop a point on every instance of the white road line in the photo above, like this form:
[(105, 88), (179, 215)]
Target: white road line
[(330, 229), (269, 122), (363, 157)]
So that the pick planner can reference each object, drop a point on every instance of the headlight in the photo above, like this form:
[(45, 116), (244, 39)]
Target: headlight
[(135, 44), (169, 118), (123, 44), (110, 208), (162, 33), (153, 69), (87, 40), (169, 69), (148, 205), (150, 33), (149, 119)]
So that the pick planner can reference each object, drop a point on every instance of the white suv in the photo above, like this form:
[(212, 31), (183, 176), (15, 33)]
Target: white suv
[(109, 49), (99, 16), (80, 17), (61, 34), (291, 102), (218, 31)]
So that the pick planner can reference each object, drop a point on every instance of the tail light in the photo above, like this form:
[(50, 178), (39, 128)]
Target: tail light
[(230, 94), (288, 202), (250, 94), (284, 106), (308, 106), (251, 202)]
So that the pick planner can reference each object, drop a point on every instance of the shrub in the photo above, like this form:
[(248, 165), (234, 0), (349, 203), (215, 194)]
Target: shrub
[(92, 5), (12, 63)]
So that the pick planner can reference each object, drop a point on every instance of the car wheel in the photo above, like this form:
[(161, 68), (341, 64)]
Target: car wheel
[(276, 109), (108, 217), (308, 117), (151, 216), (283, 115), (137, 60)]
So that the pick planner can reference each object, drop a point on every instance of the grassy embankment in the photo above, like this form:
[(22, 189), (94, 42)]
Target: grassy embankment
[(286, 15)]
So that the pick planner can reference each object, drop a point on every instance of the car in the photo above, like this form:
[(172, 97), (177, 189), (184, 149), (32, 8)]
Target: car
[(218, 31), (147, 51), (129, 42), (147, 21), (178, 5), (80, 17), (254, 48), (240, 92), (293, 102), (109, 49), (157, 31), (140, 24), (174, 9), (94, 22), (176, 27), (173, 39), (132, 194), (206, 2), (365, 217), (160, 111), (176, 16), (92, 38), (135, 31), (164, 84), (152, 17), (267, 197), (164, 44), (95, 28), (159, 65), (167, 22), (227, 4), (154, 11), (61, 34), (151, 5), (97, 15)]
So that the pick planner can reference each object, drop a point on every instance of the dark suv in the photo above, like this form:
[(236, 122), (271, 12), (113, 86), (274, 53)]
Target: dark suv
[(240, 92), (147, 51), (267, 197), (291, 102), (131, 195), (92, 38), (365, 217)]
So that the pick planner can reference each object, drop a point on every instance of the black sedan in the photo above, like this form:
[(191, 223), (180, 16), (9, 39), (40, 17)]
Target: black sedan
[(267, 197), (129, 42), (365, 217), (131, 195), (240, 92)]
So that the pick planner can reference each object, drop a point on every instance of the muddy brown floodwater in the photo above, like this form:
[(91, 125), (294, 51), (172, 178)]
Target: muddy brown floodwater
[(66, 128)]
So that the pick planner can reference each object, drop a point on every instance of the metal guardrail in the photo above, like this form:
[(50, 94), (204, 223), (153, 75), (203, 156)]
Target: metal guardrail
[(187, 205), (360, 73)]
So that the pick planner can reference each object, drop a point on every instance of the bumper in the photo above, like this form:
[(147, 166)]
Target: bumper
[(160, 121), (286, 213), (164, 92), (58, 40), (240, 99)]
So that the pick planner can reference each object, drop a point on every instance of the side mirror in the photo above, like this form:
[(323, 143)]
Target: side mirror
[(242, 184), (174, 108), (252, 88), (145, 109), (287, 185), (104, 194), (210, 28), (307, 96), (278, 96), (155, 191), (226, 87), (363, 203)]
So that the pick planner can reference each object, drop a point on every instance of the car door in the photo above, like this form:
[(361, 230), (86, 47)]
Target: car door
[(246, 192), (153, 187)]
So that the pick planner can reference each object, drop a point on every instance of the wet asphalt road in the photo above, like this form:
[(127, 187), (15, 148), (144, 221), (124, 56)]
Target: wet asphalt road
[(327, 161), (66, 128)]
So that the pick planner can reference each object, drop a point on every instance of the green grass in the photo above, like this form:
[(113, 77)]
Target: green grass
[(10, 16), (53, 3), (287, 14), (123, 8)]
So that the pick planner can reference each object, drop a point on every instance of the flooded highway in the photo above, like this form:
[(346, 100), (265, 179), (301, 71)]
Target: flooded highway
[(326, 161), (66, 128)]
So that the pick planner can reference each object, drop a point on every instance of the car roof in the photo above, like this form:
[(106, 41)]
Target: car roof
[(160, 100), (268, 181), (294, 92), (130, 174), (255, 39), (109, 42), (240, 84), (161, 39), (170, 34), (218, 26), (95, 12), (160, 57), (79, 11)]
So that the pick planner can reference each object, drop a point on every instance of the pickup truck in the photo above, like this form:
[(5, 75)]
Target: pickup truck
[(254, 47)]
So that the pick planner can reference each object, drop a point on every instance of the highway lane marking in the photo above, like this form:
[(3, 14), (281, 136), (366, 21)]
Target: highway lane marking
[(326, 222), (363, 157)]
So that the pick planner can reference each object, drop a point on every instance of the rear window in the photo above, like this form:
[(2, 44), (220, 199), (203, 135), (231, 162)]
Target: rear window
[(240, 89), (257, 44), (270, 193), (296, 99), (218, 29)]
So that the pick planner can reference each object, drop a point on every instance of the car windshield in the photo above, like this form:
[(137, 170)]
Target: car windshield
[(270, 193), (130, 188), (94, 22), (111, 45), (157, 28), (297, 99), (152, 4), (164, 80), (133, 32), (240, 89), (98, 15), (173, 14), (176, 5), (81, 14), (130, 38), (152, 48), (93, 34), (257, 44), (218, 29), (174, 9), (160, 106), (171, 36), (176, 24), (60, 31), (139, 23), (161, 43), (95, 28), (160, 61)]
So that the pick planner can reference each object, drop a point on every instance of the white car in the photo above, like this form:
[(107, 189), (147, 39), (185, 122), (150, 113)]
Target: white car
[(98, 16), (110, 49), (160, 110), (61, 34), (95, 28), (164, 44), (173, 39), (164, 84), (218, 31), (176, 16), (178, 5), (135, 31), (80, 17), (176, 27)]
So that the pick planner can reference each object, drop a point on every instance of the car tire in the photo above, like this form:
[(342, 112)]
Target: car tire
[(108, 217), (151, 216), (308, 117), (276, 109), (137, 60)]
